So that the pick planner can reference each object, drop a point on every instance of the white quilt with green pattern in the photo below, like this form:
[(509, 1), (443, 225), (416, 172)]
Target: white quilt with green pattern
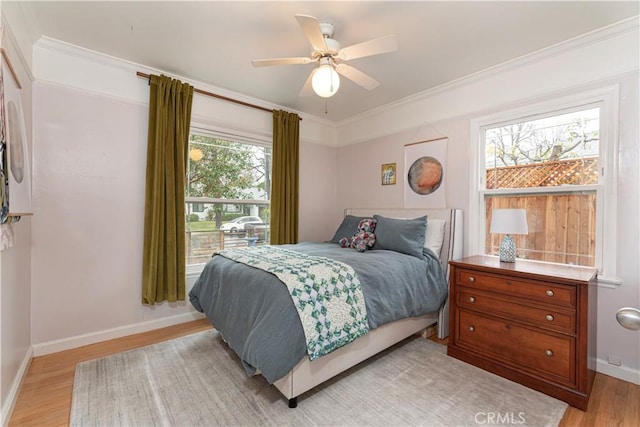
[(326, 293)]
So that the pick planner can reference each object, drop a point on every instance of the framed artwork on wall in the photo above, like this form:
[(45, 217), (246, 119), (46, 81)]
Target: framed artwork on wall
[(388, 174), (425, 163), (15, 147)]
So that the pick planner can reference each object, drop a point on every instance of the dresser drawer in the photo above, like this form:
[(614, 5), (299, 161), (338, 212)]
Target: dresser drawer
[(542, 354), (540, 291), (518, 310)]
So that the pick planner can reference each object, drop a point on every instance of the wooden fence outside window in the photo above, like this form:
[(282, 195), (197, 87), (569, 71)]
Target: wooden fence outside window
[(562, 226)]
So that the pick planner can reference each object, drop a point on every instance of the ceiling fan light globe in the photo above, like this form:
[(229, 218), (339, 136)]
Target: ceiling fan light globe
[(325, 81)]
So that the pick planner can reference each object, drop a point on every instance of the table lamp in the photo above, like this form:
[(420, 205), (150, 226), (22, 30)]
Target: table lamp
[(507, 222)]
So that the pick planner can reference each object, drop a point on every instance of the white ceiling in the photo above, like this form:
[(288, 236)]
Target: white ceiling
[(214, 42)]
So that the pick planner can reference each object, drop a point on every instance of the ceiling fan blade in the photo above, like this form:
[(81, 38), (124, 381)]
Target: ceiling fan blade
[(357, 76), (311, 29), (372, 47), (280, 61), (307, 89)]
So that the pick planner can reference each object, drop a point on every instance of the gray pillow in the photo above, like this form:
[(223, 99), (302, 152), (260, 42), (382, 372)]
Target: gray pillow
[(348, 227), (401, 235)]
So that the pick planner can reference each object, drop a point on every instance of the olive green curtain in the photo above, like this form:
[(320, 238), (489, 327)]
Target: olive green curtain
[(284, 178), (163, 264)]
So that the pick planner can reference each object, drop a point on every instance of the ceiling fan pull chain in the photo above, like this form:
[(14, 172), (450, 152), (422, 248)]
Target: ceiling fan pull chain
[(326, 109)]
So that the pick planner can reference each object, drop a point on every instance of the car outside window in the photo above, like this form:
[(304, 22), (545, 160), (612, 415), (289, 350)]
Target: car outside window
[(228, 186)]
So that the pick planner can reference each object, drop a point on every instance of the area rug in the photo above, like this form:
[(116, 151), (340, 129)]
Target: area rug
[(198, 381)]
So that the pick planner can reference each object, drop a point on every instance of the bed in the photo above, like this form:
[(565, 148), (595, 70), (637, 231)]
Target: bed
[(255, 315)]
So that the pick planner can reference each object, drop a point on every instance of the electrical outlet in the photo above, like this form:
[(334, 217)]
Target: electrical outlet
[(614, 360)]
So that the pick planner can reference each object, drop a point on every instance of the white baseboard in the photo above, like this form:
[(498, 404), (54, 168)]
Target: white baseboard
[(12, 397), (620, 372), (122, 331)]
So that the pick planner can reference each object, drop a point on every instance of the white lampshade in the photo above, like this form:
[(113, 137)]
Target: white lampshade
[(509, 221), (325, 81)]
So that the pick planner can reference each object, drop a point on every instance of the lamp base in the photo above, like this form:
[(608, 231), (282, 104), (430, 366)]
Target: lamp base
[(507, 249)]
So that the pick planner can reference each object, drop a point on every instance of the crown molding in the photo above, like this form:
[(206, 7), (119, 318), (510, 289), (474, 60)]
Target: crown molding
[(58, 46), (592, 37), (556, 50)]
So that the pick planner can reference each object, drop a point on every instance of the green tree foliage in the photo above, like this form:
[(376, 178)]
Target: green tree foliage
[(227, 170)]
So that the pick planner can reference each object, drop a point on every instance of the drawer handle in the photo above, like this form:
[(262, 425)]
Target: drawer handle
[(549, 318), (471, 329), (472, 299), (549, 293), (549, 353), (472, 279)]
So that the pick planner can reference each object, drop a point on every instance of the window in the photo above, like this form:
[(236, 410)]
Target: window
[(227, 194), (557, 161), (539, 155)]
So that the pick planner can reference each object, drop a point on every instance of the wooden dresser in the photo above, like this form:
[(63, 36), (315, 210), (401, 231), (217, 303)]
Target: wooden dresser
[(531, 322)]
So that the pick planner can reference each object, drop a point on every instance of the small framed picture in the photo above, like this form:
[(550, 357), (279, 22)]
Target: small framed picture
[(388, 174)]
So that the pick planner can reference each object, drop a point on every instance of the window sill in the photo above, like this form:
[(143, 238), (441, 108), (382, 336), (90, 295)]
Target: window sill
[(610, 282), (194, 271)]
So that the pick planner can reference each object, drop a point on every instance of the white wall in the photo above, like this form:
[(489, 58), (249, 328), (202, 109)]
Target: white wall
[(359, 165), (601, 54), (318, 192), (90, 148), (608, 58), (15, 262), (83, 243)]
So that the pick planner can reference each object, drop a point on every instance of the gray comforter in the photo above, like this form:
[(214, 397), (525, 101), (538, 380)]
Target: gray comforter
[(254, 312)]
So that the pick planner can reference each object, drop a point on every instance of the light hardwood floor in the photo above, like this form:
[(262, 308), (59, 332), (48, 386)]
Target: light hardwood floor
[(45, 397)]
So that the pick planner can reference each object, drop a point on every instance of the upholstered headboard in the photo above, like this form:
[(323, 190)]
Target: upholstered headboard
[(451, 245), (452, 242)]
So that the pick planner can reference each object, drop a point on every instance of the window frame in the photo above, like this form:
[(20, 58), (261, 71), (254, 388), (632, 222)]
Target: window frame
[(193, 270), (607, 99)]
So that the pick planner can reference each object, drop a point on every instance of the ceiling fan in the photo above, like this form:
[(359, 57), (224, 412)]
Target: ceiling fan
[(324, 79)]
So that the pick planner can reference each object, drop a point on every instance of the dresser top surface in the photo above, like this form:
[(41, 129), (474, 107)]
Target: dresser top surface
[(529, 268)]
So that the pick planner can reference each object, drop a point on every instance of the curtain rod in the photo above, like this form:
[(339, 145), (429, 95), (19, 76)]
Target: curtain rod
[(224, 98), (5, 56)]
